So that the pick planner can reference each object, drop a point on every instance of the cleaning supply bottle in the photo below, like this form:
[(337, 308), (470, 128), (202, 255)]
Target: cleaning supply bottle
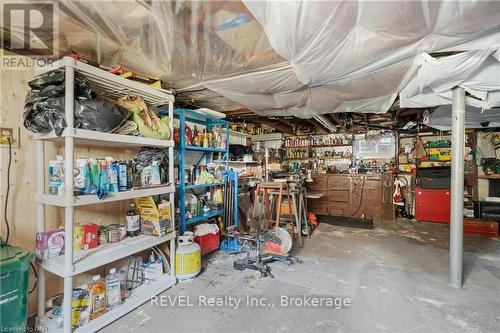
[(205, 139), (97, 297), (196, 137), (155, 173), (122, 176), (82, 178), (113, 291)]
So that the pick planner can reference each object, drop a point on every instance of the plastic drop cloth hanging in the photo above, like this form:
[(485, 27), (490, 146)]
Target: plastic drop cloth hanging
[(477, 71), (475, 117), (281, 57), (183, 42), (361, 54)]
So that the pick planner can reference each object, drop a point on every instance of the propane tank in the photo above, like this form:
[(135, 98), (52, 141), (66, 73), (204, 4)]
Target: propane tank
[(187, 257)]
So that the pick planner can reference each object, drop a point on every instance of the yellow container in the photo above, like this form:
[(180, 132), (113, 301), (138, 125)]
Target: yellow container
[(187, 257), (77, 238)]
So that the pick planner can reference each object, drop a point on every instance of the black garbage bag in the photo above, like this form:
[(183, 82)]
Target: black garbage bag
[(44, 106), (44, 114), (147, 155), (99, 114)]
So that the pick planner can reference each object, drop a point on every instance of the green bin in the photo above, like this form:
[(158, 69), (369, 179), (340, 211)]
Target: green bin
[(14, 275)]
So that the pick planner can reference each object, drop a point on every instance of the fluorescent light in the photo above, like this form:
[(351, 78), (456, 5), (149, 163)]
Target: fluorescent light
[(326, 123), (212, 113)]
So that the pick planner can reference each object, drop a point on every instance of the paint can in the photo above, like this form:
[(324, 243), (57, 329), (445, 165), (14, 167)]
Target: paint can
[(114, 233)]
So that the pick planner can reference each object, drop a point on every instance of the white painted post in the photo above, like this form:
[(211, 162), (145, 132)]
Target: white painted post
[(457, 187), (69, 99), (40, 221)]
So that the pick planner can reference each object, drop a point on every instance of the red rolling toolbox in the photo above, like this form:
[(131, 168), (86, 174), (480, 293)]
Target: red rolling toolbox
[(432, 205)]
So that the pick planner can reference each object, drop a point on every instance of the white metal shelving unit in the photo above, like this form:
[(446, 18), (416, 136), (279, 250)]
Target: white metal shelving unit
[(71, 264)]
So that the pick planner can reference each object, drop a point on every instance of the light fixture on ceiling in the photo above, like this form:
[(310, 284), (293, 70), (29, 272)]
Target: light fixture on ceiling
[(326, 123)]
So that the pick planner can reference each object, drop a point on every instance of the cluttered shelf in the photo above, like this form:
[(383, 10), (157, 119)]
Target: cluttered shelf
[(95, 138), (139, 296), (105, 110), (110, 85), (88, 259), (81, 200), (331, 145), (201, 118), (204, 216), (336, 158), (193, 186), (205, 149), (237, 162)]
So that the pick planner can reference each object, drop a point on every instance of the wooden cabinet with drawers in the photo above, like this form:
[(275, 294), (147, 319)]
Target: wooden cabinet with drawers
[(353, 195)]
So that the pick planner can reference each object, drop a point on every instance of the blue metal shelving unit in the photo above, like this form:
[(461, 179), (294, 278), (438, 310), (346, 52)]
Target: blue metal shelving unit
[(186, 115)]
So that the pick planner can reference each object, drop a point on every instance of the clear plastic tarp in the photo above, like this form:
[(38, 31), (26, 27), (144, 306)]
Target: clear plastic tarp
[(475, 117), (291, 57), (477, 71), (361, 54)]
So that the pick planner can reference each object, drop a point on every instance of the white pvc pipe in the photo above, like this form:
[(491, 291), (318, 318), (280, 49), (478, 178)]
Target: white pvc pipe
[(457, 187), (68, 188), (171, 179), (40, 221)]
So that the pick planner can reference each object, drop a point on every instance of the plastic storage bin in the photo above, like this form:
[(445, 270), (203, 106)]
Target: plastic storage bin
[(208, 243), (14, 275)]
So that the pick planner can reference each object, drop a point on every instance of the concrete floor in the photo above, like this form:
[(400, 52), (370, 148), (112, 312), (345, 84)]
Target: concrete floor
[(395, 275)]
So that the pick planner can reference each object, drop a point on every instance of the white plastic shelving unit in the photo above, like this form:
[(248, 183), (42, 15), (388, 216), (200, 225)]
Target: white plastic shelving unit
[(71, 264)]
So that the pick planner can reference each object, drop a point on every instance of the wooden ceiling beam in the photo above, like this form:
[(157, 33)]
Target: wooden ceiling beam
[(239, 112), (336, 119), (278, 125), (316, 125), (410, 112)]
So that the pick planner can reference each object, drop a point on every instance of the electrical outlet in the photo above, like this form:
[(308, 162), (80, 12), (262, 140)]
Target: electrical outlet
[(9, 132)]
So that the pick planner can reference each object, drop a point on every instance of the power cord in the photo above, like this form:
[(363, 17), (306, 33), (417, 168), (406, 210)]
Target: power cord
[(6, 219), (361, 195), (36, 278)]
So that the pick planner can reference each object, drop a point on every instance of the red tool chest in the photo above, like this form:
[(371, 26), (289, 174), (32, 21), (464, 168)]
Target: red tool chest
[(432, 205), (481, 227)]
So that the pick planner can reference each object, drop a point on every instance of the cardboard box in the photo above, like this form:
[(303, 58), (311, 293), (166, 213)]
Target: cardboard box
[(77, 238), (49, 244), (90, 236), (155, 220)]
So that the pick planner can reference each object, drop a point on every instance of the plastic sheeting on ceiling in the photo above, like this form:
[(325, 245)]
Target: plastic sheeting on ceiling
[(281, 57), (475, 117), (184, 42), (358, 55), (478, 72)]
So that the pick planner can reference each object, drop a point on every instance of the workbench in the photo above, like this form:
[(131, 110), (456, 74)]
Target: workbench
[(357, 195)]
